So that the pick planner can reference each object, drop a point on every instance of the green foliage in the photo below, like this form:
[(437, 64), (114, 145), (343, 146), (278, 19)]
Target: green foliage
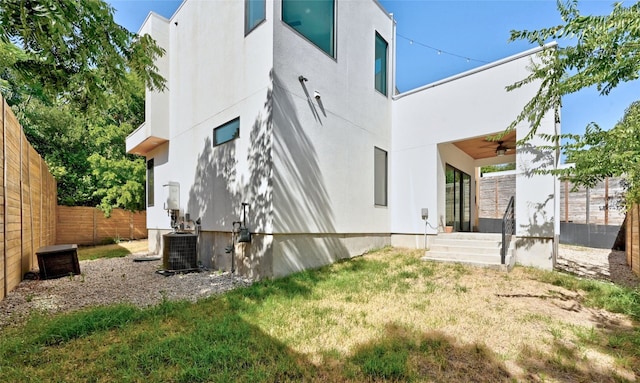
[(121, 182), (85, 149), (73, 49), (75, 80), (613, 153), (498, 168), (605, 54)]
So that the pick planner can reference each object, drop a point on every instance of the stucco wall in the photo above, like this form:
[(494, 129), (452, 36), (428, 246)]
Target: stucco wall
[(157, 109), (324, 149), (474, 104), (216, 74), (305, 165), (470, 105)]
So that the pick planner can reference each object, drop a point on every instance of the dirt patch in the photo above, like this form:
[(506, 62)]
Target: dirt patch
[(603, 264)]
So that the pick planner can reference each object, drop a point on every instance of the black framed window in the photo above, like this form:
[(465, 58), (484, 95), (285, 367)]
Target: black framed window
[(380, 64), (150, 182), (313, 19), (226, 132)]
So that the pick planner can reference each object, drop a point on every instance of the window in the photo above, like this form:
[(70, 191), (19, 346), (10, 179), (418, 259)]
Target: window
[(227, 132), (254, 14), (380, 177), (458, 199), (313, 19), (380, 65), (150, 193)]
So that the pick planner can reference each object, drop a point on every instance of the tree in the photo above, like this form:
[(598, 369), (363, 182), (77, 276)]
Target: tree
[(73, 49), (498, 168), (606, 53), (76, 81), (616, 152), (85, 150)]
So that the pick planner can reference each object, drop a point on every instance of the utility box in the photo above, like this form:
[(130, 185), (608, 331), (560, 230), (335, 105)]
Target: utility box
[(58, 261), (172, 194)]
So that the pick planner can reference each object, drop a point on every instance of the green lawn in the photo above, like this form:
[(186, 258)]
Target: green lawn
[(386, 316), (117, 250)]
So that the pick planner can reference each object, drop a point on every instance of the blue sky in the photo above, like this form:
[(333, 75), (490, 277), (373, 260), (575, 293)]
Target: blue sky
[(473, 29)]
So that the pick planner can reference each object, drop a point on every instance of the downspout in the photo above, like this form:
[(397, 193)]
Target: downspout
[(393, 60), (556, 183)]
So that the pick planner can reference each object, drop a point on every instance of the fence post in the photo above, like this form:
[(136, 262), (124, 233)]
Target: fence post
[(629, 237), (606, 200), (95, 227), (566, 201), (21, 207), (4, 195)]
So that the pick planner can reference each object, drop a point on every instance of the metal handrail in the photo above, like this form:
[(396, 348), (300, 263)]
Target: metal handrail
[(508, 228)]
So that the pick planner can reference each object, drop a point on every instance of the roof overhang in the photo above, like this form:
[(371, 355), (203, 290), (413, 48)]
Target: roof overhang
[(485, 146)]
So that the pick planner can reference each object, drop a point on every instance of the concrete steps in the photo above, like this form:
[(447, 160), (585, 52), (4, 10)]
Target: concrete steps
[(477, 249)]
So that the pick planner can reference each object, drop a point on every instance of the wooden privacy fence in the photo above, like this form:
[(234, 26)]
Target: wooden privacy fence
[(632, 245), (598, 205), (28, 201), (88, 225)]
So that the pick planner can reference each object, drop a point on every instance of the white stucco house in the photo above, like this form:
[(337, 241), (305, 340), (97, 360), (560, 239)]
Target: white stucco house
[(290, 107)]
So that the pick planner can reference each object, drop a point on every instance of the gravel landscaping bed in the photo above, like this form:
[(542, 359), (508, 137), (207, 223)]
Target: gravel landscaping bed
[(108, 281)]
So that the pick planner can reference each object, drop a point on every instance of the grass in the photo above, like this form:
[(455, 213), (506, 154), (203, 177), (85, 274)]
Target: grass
[(598, 294), (118, 250), (383, 317)]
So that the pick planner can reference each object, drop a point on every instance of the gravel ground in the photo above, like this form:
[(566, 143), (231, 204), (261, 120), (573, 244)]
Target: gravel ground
[(605, 264), (119, 280), (108, 281)]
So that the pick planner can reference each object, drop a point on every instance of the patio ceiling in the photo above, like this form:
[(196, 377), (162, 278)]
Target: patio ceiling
[(481, 147)]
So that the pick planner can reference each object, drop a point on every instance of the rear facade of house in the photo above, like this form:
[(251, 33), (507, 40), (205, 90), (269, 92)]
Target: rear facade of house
[(288, 106)]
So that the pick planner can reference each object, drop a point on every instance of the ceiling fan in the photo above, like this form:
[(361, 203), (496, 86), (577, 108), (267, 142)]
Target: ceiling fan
[(501, 149)]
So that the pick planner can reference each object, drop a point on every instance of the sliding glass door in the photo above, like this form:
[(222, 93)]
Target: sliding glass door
[(458, 199)]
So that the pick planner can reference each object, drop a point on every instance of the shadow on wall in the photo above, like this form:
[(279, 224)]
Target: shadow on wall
[(221, 185), (539, 158), (303, 205), (540, 222)]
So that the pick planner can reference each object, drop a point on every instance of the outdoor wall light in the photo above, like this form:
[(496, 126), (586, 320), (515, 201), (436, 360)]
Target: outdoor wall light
[(501, 150)]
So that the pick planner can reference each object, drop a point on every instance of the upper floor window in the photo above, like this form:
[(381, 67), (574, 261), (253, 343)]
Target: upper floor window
[(254, 14), (226, 132), (313, 19), (150, 183), (380, 65)]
